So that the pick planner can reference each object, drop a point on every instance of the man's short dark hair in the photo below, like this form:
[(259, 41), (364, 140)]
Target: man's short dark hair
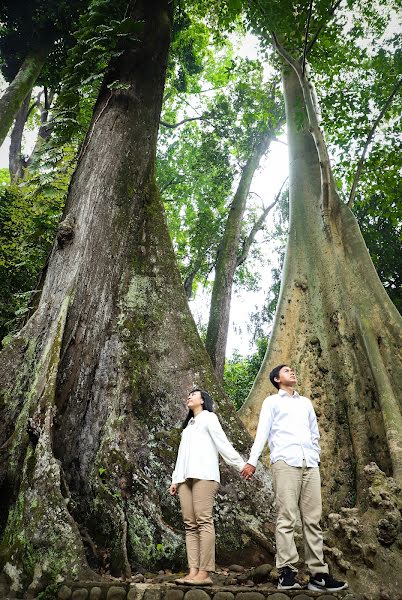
[(275, 373)]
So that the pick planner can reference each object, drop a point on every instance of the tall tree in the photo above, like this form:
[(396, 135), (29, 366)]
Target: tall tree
[(334, 320), (240, 118), (229, 255), (91, 386)]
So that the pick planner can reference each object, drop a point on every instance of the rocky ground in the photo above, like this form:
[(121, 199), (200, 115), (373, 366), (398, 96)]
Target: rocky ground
[(232, 583)]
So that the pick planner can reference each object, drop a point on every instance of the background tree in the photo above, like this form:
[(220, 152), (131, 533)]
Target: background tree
[(33, 43), (221, 147)]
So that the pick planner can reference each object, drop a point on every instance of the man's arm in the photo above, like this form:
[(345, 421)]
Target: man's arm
[(315, 434), (263, 429)]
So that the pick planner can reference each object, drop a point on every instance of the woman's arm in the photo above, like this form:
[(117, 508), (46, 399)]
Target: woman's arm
[(224, 447)]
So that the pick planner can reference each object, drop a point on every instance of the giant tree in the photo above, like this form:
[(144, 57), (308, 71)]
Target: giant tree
[(334, 321), (91, 386)]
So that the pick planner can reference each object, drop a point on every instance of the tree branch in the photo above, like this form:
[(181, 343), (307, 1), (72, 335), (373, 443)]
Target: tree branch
[(173, 181), (325, 21), (310, 10), (256, 228), (368, 142), (174, 125)]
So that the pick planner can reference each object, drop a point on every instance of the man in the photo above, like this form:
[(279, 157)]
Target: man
[(288, 422)]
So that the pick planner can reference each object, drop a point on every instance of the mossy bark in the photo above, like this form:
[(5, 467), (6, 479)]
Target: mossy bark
[(127, 353), (336, 325), (22, 84), (226, 262)]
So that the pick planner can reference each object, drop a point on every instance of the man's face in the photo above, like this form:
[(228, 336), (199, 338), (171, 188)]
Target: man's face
[(286, 376)]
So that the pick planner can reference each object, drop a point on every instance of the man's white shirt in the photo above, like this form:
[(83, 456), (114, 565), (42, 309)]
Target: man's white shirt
[(289, 424)]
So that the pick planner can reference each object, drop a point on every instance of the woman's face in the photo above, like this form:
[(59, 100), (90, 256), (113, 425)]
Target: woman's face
[(194, 400)]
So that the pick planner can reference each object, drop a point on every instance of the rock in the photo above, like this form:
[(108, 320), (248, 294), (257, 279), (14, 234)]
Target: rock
[(152, 594), (261, 573), (220, 579), (132, 593), (95, 593), (138, 578), (174, 595), (64, 593), (242, 578), (251, 596), (237, 568), (223, 596), (116, 593), (161, 572), (196, 594), (80, 594), (278, 596)]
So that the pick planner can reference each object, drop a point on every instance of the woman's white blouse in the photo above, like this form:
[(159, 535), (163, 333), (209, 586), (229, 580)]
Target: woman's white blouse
[(201, 441)]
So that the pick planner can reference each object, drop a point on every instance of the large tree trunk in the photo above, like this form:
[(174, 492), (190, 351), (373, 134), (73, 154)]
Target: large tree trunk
[(226, 262), (336, 325), (92, 386), (22, 84)]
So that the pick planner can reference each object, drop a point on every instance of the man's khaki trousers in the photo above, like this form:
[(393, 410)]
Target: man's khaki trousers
[(298, 487), (197, 502)]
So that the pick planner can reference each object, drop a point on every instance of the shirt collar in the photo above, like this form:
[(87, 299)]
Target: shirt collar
[(283, 393)]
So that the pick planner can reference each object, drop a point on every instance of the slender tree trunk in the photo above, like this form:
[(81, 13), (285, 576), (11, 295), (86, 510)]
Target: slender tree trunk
[(92, 386), (336, 325), (16, 162), (22, 84), (226, 263)]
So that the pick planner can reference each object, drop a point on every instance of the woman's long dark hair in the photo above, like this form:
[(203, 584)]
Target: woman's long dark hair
[(208, 405)]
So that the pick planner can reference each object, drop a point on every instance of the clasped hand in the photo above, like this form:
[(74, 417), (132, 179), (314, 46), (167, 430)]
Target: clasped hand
[(247, 471)]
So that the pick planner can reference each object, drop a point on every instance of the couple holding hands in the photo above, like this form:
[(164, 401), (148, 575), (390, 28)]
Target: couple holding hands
[(288, 422)]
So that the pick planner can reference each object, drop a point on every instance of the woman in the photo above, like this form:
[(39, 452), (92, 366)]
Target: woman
[(196, 480)]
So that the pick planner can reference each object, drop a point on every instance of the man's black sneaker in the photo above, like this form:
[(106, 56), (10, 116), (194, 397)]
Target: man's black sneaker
[(324, 582), (287, 580)]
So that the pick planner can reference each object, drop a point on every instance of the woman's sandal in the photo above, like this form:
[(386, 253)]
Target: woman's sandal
[(182, 581)]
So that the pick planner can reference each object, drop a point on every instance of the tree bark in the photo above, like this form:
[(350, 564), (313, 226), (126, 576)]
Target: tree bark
[(22, 84), (226, 263), (336, 325), (91, 387)]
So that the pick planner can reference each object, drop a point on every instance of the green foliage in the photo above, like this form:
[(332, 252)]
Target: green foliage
[(381, 225), (29, 215), (199, 164), (104, 32), (39, 24), (240, 372)]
